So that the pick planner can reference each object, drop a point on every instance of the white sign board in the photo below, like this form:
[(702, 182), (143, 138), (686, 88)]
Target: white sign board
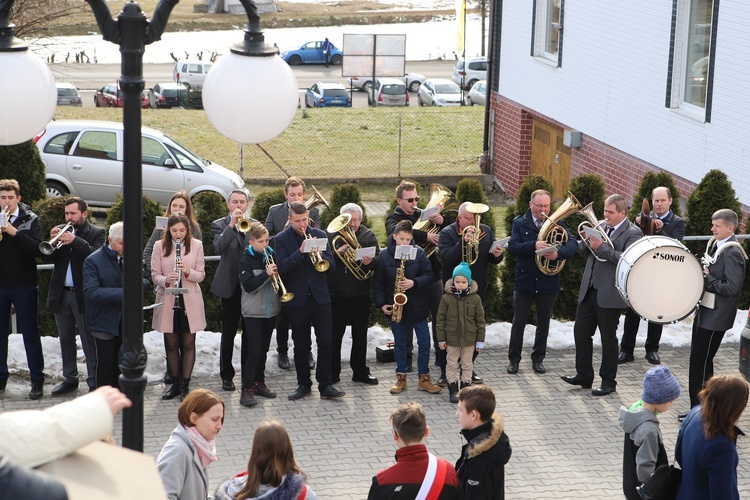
[(383, 54)]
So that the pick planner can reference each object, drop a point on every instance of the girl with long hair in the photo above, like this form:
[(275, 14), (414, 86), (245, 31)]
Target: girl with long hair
[(182, 314), (272, 472)]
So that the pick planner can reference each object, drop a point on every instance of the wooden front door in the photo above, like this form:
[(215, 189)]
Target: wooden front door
[(549, 157)]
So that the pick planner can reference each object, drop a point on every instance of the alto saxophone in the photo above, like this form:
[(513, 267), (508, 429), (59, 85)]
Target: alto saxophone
[(399, 297)]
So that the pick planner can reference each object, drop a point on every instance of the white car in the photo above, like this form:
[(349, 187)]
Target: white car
[(190, 73), (364, 83), (467, 73), (439, 92), (478, 94), (85, 158)]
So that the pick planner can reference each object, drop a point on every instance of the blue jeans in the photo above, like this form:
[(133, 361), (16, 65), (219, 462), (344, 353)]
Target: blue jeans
[(24, 299), (400, 333)]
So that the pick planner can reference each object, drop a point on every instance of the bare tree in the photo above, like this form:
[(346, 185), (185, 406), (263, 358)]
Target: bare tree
[(34, 18)]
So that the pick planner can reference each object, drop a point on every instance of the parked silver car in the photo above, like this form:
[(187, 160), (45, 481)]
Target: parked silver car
[(364, 83), (84, 158), (467, 73), (67, 95), (477, 94), (439, 92)]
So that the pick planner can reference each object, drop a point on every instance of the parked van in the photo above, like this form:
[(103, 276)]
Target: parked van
[(190, 73)]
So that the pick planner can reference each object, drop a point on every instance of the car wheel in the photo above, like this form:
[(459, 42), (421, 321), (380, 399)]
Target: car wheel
[(414, 86), (96, 102), (433, 103), (471, 84), (336, 60), (367, 86), (469, 102), (55, 189), (295, 60), (419, 100)]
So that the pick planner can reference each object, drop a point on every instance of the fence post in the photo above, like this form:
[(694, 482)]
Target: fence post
[(399, 144)]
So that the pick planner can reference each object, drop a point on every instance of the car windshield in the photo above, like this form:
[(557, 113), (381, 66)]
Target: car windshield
[(394, 89), (169, 92), (336, 93), (447, 88), (181, 156), (66, 92)]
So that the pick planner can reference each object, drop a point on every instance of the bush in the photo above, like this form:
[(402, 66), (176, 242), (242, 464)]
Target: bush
[(208, 207), (264, 201), (714, 192), (342, 194), (649, 182), (23, 163), (508, 270), (471, 190), (587, 188), (151, 210)]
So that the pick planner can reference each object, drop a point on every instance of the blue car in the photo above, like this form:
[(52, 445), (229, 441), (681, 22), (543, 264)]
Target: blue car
[(312, 53), (325, 94)]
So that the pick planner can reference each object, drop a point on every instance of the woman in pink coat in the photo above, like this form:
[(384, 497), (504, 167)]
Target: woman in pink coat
[(181, 319)]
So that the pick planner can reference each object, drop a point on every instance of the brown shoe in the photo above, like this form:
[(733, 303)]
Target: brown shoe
[(400, 385), (425, 384)]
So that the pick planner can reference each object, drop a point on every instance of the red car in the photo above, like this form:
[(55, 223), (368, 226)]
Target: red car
[(110, 96)]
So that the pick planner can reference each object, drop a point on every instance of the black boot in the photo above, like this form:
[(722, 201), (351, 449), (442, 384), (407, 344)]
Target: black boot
[(465, 384), (442, 381), (184, 388), (453, 391), (173, 391)]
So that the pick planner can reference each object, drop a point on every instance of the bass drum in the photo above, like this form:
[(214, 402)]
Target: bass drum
[(660, 279)]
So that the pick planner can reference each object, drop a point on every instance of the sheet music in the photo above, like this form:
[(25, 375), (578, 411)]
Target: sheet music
[(161, 222), (548, 249), (428, 212), (408, 252), (364, 252), (502, 243), (319, 244), (592, 233)]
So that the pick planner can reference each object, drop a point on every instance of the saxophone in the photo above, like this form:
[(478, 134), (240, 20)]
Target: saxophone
[(399, 297)]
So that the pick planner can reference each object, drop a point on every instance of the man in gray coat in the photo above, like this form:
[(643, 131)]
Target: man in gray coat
[(599, 302), (724, 274)]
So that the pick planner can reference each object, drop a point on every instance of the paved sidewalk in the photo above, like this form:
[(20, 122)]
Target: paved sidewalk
[(566, 443)]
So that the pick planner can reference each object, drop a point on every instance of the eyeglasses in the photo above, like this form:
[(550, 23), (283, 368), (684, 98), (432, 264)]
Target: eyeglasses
[(411, 200), (537, 205)]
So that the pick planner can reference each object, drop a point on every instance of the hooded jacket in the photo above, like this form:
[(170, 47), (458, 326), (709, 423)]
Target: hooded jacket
[(643, 449), (290, 488), (460, 321), (259, 299), (481, 466)]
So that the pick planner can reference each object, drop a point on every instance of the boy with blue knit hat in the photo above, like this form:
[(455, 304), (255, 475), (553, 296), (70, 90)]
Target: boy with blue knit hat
[(460, 327), (644, 448)]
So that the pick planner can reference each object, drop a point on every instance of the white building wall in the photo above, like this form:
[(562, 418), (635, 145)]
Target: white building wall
[(612, 84)]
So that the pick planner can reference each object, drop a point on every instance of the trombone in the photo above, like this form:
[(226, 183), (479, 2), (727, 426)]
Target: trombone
[(276, 282), (341, 225), (48, 247), (470, 249), (593, 222), (321, 265)]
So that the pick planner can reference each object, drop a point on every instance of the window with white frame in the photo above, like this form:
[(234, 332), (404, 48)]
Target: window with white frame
[(691, 52), (547, 30)]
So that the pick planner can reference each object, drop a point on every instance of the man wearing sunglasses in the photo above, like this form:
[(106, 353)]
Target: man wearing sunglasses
[(407, 199)]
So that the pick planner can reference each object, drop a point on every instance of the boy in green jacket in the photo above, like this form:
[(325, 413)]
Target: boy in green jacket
[(460, 327)]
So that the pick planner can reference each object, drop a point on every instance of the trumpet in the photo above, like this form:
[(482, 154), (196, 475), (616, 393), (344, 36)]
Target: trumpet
[(321, 265), (243, 225), (5, 219), (276, 282), (470, 249), (48, 247), (341, 225), (399, 297), (594, 223)]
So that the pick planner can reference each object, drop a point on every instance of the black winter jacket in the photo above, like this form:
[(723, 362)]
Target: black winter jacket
[(22, 482), (481, 467), (420, 237), (417, 307), (341, 282), (18, 253)]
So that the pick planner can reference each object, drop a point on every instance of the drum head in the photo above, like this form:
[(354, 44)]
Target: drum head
[(665, 283)]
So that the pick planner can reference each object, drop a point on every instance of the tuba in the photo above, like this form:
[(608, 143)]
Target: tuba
[(276, 282), (49, 247), (593, 222), (399, 297), (470, 249), (444, 198), (316, 200), (556, 235), (341, 225)]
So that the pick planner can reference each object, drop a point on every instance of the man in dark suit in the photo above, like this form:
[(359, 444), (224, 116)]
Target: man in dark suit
[(665, 223), (311, 303), (532, 285), (229, 243), (276, 221), (724, 272), (599, 302), (19, 249), (65, 297)]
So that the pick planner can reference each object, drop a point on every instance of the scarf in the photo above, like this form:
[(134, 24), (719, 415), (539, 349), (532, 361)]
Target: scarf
[(460, 293), (206, 449)]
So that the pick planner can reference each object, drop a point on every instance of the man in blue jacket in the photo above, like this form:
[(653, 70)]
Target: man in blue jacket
[(311, 303), (531, 284)]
